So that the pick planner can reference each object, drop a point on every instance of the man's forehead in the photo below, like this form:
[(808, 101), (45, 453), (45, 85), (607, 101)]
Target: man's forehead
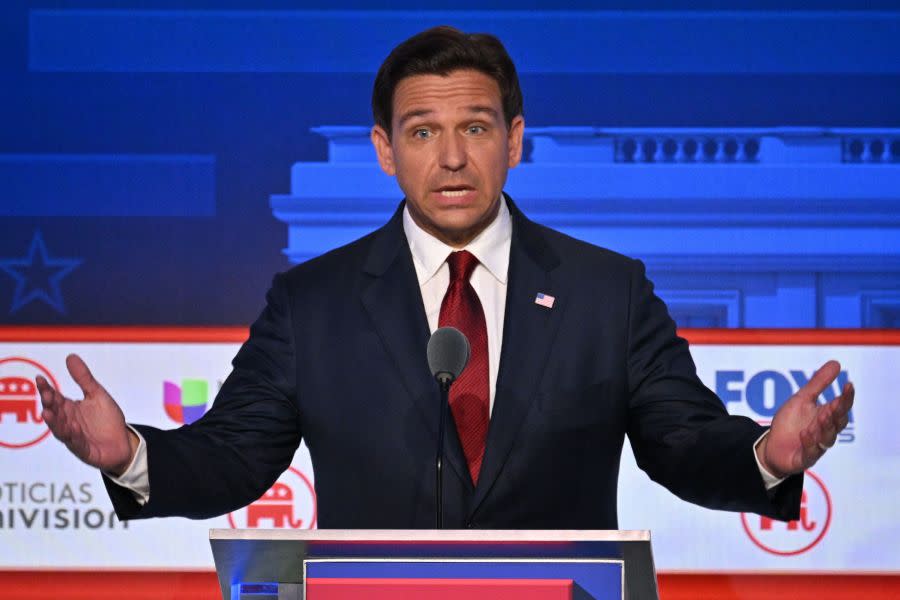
[(463, 90)]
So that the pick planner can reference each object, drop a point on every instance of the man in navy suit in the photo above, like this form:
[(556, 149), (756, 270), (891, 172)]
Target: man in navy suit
[(573, 352)]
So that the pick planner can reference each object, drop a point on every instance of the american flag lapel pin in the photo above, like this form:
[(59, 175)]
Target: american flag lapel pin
[(545, 300)]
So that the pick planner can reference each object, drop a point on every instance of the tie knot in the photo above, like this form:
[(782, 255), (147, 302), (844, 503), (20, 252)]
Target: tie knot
[(461, 264)]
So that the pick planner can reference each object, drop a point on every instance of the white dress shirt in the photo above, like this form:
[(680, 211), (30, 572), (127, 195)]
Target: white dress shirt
[(491, 248), (489, 279)]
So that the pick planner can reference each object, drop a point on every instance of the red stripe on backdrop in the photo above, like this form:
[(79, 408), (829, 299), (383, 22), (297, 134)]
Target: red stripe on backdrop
[(121, 334), (148, 585), (793, 337), (684, 586), (207, 335), (109, 585)]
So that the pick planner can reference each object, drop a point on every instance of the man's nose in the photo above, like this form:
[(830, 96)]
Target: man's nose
[(453, 152)]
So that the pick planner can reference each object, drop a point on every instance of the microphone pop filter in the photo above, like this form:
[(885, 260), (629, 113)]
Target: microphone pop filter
[(448, 353)]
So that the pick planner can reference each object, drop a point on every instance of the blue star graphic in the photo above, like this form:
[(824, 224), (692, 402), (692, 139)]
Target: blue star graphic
[(37, 276)]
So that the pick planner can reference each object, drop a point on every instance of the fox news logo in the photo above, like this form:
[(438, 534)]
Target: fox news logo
[(759, 395)]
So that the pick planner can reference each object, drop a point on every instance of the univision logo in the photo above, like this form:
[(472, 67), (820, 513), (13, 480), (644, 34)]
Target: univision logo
[(185, 403)]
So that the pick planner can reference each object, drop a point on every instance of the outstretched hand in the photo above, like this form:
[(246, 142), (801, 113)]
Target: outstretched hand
[(802, 429), (93, 428)]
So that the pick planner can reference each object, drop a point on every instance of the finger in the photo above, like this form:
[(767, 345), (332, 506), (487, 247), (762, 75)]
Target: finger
[(50, 401), (51, 420), (47, 393), (821, 427), (838, 410), (807, 449), (55, 420), (77, 441), (844, 402), (821, 380), (82, 375), (824, 420), (810, 451), (65, 421), (59, 426), (807, 438), (841, 422), (827, 430)]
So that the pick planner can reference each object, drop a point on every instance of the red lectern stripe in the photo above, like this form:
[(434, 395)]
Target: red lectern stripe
[(327, 588)]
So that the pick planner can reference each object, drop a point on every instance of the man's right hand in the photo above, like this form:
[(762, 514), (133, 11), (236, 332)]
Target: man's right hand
[(94, 428)]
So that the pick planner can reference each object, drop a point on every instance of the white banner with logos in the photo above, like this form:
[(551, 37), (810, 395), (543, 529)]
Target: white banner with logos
[(54, 512)]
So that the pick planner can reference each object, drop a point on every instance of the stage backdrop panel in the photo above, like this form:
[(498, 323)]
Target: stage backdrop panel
[(176, 155), (54, 512)]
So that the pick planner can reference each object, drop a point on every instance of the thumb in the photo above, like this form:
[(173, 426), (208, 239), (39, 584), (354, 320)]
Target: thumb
[(821, 380), (82, 375)]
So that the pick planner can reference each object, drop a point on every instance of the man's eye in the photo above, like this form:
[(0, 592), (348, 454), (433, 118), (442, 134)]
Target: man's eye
[(422, 134), (476, 129)]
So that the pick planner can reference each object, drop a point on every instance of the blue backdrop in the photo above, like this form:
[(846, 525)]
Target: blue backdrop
[(160, 161)]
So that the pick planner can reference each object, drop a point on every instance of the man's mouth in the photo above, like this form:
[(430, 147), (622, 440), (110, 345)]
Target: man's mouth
[(454, 191)]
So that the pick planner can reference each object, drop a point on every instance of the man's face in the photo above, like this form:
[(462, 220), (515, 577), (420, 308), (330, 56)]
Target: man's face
[(450, 150)]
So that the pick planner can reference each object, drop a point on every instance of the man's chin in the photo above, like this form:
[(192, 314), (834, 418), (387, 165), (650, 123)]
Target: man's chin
[(458, 232)]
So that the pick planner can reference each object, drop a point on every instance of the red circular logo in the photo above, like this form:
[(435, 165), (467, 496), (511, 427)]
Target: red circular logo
[(21, 424), (794, 537), (289, 504)]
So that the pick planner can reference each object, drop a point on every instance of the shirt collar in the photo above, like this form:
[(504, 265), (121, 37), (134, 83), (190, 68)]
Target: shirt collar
[(490, 247)]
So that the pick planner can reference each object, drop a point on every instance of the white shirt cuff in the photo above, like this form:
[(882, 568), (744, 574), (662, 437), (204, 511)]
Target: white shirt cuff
[(769, 480), (136, 477)]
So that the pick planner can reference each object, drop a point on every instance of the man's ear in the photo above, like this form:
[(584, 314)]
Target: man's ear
[(514, 140), (383, 150)]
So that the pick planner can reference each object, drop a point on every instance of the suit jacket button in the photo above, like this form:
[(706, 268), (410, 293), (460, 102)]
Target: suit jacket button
[(470, 525)]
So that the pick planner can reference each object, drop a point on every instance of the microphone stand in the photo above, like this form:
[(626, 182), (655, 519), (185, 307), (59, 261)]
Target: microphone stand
[(444, 379), (447, 353)]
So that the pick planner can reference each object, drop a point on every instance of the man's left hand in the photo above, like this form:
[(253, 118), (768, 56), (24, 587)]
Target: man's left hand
[(802, 429)]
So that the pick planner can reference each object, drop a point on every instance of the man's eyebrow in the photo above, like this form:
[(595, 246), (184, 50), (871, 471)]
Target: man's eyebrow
[(422, 112), (484, 109), (413, 114)]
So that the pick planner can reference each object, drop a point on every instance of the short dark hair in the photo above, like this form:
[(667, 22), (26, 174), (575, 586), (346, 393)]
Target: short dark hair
[(439, 51)]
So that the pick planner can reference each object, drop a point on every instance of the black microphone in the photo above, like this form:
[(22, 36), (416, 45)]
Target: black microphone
[(448, 353)]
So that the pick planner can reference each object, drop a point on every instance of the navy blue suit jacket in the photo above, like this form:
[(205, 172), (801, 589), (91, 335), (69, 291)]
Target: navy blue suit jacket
[(337, 357)]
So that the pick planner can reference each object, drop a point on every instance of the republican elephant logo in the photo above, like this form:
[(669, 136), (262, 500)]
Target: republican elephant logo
[(276, 506), (19, 399), (289, 504), (21, 424)]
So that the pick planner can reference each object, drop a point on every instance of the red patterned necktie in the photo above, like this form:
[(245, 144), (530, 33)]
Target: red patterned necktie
[(470, 393)]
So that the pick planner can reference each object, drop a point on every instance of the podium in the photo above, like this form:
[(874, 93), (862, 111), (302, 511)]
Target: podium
[(282, 564)]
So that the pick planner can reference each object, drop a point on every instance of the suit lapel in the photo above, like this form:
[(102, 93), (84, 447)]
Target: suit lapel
[(393, 301), (528, 333)]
